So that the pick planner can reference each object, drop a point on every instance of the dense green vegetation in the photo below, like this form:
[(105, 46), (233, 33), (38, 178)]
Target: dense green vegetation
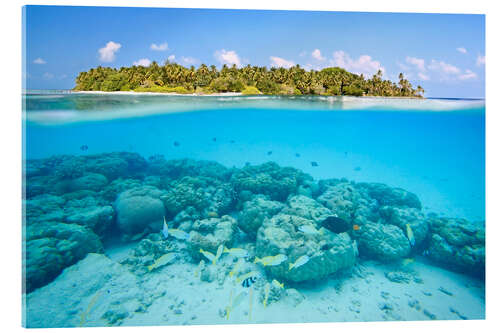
[(173, 77)]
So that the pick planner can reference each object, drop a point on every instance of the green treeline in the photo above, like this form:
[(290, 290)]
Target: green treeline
[(252, 80)]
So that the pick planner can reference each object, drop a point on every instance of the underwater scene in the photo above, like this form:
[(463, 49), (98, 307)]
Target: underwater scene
[(151, 209)]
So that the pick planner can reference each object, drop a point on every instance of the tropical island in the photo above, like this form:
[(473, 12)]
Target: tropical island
[(248, 80)]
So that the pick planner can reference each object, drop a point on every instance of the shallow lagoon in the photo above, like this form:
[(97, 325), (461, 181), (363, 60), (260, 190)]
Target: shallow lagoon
[(432, 148)]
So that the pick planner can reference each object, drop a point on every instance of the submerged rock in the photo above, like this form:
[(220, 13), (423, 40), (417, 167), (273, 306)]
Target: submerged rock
[(208, 234), (50, 247), (138, 209), (402, 216), (391, 196), (254, 213), (458, 244), (94, 292), (269, 179), (327, 252), (384, 242)]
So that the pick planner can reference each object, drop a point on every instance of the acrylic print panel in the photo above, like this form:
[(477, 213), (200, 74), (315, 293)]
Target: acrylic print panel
[(177, 172)]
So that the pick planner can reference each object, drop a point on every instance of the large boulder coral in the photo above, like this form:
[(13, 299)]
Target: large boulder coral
[(269, 179), (348, 202), (209, 234), (50, 247), (303, 206), (391, 196), (45, 207), (116, 165), (328, 252), (138, 209), (176, 169), (254, 213), (208, 195), (97, 218), (458, 244), (89, 181), (402, 217), (96, 291), (383, 242)]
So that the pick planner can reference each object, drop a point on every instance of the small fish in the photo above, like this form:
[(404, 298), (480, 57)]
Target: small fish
[(407, 261), (208, 255), (237, 267), (409, 233), (301, 261), (297, 155), (218, 254), (270, 152), (179, 234), (232, 141), (176, 143), (214, 139), (246, 276), (314, 164), (164, 231), (212, 214), (356, 227), (345, 154), (277, 284), (237, 301), (308, 229), (249, 281), (237, 252), (198, 269), (267, 288), (162, 261), (84, 148), (357, 168), (271, 260)]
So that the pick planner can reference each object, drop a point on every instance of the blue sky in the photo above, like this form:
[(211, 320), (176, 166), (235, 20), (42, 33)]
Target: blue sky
[(443, 53)]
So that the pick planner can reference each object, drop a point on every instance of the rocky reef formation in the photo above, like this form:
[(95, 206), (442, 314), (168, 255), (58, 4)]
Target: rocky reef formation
[(458, 244), (74, 204)]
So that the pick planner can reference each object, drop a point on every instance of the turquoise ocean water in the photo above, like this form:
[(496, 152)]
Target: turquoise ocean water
[(434, 148)]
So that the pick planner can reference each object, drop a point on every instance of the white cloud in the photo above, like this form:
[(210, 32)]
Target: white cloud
[(107, 53), (443, 68), (227, 57), (39, 61), (48, 76), (280, 62), (189, 61), (159, 47), (417, 62), (142, 62), (462, 50), (316, 54), (423, 77), (171, 58), (363, 65), (481, 60), (468, 75)]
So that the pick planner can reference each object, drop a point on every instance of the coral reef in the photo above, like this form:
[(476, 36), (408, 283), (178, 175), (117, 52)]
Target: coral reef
[(269, 179), (255, 211), (458, 244), (384, 242), (138, 209), (209, 234), (50, 247)]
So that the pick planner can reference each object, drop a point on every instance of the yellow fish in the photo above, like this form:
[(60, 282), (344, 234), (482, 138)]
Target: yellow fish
[(409, 233), (237, 252), (246, 276), (407, 261), (218, 254), (301, 261), (234, 303), (162, 261), (277, 284), (179, 234), (208, 255), (271, 260), (267, 288)]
